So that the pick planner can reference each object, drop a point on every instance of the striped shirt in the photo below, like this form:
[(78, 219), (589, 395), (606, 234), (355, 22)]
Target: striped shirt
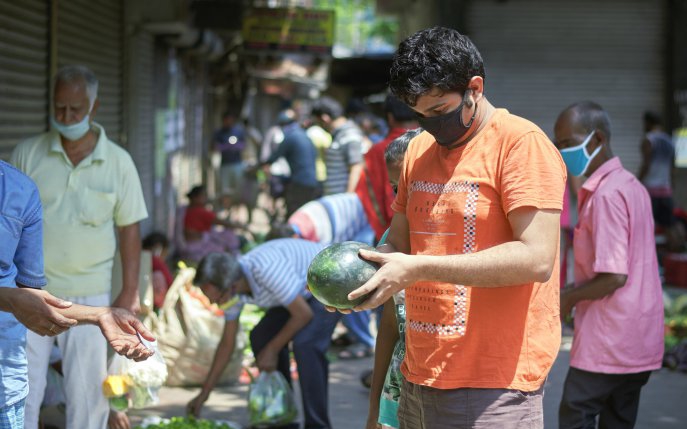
[(276, 273), (345, 151)]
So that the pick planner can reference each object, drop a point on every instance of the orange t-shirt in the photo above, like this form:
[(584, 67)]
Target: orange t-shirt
[(457, 202)]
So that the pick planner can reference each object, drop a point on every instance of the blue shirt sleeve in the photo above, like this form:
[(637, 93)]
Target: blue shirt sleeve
[(29, 255)]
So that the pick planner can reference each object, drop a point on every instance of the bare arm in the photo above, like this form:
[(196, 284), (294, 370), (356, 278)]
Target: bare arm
[(225, 348), (384, 348), (354, 172), (646, 159), (528, 257), (118, 325), (130, 250), (601, 286), (300, 314)]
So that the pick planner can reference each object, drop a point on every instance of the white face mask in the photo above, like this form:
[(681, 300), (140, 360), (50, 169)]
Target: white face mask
[(74, 131)]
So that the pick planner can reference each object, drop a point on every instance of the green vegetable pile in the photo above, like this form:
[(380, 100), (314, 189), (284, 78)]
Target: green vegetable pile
[(675, 320), (187, 423)]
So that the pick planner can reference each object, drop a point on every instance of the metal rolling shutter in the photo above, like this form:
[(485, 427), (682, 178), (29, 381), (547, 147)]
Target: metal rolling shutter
[(89, 32), (23, 71), (140, 114), (540, 56)]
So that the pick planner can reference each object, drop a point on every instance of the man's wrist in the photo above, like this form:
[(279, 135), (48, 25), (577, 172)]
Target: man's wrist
[(7, 299), (96, 314)]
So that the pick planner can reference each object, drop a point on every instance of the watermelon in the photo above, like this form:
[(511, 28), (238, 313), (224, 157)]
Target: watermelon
[(337, 271)]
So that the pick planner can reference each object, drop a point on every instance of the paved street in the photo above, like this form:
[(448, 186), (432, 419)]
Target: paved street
[(663, 404)]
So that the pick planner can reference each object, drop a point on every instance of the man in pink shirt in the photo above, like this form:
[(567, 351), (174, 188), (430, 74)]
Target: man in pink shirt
[(617, 293)]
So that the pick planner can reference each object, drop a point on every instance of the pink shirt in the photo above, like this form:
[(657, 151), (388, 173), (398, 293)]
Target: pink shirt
[(623, 332)]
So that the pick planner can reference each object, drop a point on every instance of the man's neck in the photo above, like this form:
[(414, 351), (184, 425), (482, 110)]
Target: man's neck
[(485, 111), (77, 150), (338, 123)]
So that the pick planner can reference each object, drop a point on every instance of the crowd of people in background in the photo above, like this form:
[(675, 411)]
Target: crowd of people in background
[(462, 199)]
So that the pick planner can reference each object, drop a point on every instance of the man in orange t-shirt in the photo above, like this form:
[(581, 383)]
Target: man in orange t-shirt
[(474, 243)]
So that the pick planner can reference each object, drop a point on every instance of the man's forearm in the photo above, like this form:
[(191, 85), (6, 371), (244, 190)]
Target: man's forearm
[(225, 349), (353, 176), (300, 315), (6, 299), (599, 287), (130, 250), (508, 264), (83, 314)]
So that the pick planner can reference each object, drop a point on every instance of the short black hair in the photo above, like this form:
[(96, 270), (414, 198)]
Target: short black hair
[(396, 151), (652, 118), (326, 105), (398, 109), (590, 116), (195, 191), (153, 239), (437, 57)]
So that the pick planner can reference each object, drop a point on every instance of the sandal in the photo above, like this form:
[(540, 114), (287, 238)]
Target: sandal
[(366, 378), (356, 351), (342, 341)]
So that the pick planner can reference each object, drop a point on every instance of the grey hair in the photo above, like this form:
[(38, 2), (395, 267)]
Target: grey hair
[(590, 116), (218, 269), (76, 72), (396, 150)]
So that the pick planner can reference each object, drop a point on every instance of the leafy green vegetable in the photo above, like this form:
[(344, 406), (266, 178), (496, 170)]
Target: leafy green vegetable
[(187, 423)]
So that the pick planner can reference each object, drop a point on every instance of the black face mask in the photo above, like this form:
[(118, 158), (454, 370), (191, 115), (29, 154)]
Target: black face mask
[(448, 128)]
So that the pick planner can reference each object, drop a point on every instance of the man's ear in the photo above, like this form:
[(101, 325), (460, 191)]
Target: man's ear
[(599, 138), (476, 87)]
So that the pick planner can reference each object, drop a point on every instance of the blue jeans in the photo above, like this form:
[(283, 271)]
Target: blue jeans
[(12, 417), (310, 346)]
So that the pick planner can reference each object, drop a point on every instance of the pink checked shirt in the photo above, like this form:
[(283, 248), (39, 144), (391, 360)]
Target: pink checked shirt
[(623, 332)]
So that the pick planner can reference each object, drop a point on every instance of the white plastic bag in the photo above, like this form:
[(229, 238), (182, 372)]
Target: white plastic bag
[(135, 384), (271, 401)]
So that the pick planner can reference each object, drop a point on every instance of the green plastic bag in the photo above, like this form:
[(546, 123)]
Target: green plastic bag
[(271, 401)]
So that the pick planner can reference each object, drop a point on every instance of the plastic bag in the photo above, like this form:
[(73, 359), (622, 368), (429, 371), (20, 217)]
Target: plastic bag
[(271, 401), (116, 385), (135, 384)]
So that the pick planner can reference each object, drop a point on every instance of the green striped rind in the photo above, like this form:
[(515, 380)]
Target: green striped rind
[(337, 271)]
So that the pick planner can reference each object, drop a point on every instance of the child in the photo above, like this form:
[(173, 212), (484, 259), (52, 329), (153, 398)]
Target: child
[(385, 389)]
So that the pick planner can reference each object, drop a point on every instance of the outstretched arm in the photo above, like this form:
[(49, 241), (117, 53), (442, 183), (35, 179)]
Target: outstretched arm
[(119, 326)]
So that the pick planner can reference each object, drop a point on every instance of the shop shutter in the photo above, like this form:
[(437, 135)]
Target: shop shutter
[(541, 56), (23, 71), (140, 114), (89, 32)]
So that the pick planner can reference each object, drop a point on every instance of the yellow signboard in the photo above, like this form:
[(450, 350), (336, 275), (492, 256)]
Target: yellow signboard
[(289, 29)]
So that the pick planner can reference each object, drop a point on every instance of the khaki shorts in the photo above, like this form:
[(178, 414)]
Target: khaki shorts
[(423, 407)]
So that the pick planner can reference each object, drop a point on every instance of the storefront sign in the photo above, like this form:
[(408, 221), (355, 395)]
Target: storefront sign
[(289, 30)]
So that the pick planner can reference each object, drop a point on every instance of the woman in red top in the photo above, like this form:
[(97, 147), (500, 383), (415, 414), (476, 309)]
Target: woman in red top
[(198, 228)]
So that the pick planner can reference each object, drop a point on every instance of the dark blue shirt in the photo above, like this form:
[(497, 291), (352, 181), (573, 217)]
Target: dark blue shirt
[(21, 261), (230, 142), (300, 153)]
